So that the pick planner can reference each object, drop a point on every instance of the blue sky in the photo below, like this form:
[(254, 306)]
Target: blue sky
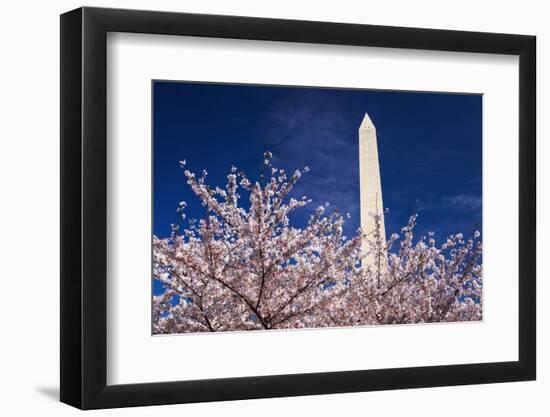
[(430, 148)]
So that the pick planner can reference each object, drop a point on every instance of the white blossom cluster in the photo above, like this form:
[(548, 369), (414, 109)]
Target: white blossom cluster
[(245, 267)]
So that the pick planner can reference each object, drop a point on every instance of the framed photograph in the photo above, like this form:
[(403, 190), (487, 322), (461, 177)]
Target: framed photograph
[(257, 208)]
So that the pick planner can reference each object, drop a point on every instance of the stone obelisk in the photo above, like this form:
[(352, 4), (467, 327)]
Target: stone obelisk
[(369, 183)]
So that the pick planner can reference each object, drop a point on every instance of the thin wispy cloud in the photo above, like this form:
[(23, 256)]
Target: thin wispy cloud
[(451, 203), (302, 132), (463, 202)]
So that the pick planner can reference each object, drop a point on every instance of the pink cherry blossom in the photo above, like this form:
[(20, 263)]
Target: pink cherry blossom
[(246, 267)]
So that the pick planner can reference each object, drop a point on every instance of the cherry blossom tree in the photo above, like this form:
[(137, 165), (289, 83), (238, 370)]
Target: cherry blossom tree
[(244, 266)]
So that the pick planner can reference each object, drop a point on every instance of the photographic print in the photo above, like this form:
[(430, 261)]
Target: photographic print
[(285, 207)]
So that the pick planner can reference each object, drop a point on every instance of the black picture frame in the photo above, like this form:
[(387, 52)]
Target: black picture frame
[(84, 207)]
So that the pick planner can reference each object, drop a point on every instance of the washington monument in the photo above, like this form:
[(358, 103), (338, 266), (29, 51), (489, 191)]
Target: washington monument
[(370, 188)]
